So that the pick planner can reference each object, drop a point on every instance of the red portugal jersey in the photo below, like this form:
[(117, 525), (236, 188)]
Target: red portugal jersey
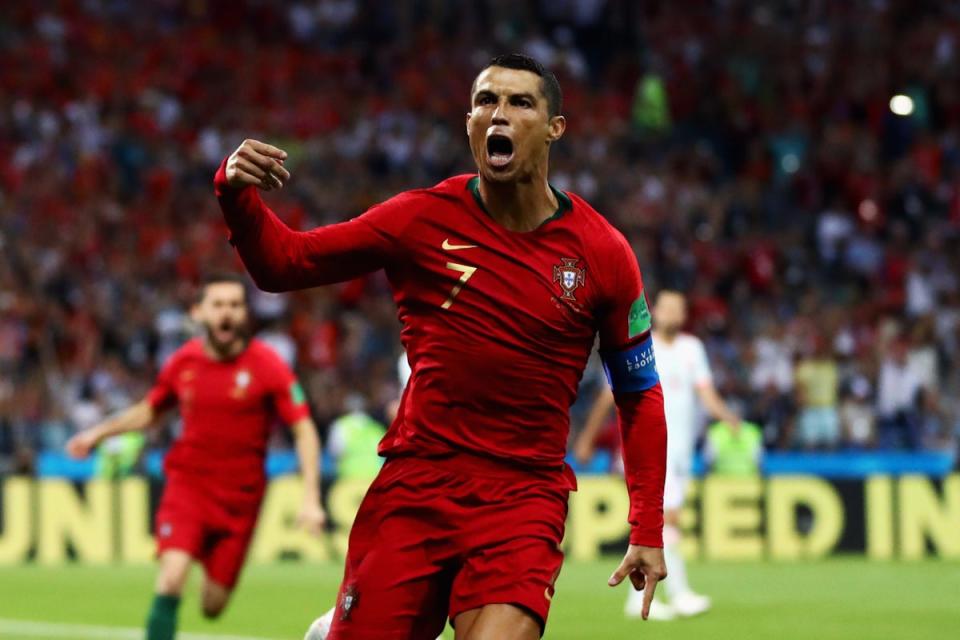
[(228, 407), (497, 324)]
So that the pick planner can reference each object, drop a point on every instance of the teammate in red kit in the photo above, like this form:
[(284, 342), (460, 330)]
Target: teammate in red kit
[(229, 390), (502, 283)]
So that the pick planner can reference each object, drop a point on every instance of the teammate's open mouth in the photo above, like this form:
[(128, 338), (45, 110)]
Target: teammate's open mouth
[(499, 150)]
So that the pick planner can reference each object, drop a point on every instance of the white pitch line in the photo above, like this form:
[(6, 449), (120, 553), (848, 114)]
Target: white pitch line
[(92, 632)]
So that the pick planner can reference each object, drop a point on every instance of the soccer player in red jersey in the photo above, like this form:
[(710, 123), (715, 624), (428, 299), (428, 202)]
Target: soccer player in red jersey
[(229, 390), (502, 283)]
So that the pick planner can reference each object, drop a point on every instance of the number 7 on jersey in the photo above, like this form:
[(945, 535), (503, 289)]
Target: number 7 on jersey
[(466, 272)]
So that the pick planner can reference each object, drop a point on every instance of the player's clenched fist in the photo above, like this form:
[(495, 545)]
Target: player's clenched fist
[(259, 164), (80, 445), (312, 518)]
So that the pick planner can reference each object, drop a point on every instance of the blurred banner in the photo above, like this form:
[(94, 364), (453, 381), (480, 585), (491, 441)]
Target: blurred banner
[(791, 517)]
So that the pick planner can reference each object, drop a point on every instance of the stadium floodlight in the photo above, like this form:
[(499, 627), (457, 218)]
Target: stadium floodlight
[(901, 105)]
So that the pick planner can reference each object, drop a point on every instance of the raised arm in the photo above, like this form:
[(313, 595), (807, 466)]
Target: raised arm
[(277, 257)]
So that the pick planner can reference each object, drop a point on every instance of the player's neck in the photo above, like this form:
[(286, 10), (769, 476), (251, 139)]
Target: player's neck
[(519, 206), (227, 352), (665, 337)]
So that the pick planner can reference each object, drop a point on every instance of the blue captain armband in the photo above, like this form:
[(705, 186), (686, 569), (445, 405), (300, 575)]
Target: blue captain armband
[(631, 369)]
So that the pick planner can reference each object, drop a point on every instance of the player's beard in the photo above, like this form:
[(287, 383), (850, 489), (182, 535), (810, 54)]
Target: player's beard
[(233, 345), (669, 331)]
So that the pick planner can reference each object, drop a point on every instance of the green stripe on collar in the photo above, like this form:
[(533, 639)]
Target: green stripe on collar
[(564, 204)]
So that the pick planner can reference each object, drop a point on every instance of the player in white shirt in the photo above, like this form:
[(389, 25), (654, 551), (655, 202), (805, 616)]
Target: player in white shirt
[(686, 381)]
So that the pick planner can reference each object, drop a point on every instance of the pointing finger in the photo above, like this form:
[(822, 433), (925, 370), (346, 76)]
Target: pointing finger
[(650, 589)]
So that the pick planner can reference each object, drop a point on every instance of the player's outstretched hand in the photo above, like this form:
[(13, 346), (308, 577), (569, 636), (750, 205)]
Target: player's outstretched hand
[(645, 567), (259, 164), (80, 445), (312, 518)]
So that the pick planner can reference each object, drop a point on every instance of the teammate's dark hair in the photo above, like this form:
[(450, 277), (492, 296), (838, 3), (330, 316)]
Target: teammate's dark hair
[(548, 82), (221, 278)]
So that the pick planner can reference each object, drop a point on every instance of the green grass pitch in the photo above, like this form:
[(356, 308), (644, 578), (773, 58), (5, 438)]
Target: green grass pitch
[(844, 598)]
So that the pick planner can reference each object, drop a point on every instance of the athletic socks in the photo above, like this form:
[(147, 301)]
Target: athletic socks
[(676, 583), (162, 621)]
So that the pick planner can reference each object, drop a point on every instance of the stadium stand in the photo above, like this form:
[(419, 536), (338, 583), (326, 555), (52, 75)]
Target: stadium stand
[(754, 157)]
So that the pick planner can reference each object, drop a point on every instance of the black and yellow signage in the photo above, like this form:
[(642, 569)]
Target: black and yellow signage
[(786, 518)]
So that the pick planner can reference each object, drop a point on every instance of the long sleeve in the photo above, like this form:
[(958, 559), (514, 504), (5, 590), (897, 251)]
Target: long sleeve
[(163, 394), (644, 432), (281, 259), (626, 348)]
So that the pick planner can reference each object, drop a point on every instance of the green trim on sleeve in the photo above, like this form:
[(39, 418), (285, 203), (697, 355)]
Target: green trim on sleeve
[(297, 396), (638, 321)]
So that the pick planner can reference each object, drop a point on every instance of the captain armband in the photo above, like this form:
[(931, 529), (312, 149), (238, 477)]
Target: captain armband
[(631, 369)]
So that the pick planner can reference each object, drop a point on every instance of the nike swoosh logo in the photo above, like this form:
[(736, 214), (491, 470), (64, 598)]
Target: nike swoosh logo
[(456, 247)]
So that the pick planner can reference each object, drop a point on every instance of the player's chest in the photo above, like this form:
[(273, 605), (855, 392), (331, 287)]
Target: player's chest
[(537, 283), (676, 370), (225, 387)]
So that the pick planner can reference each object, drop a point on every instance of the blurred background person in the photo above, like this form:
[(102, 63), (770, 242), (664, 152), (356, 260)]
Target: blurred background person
[(858, 422), (687, 386), (228, 388), (734, 449), (353, 440), (817, 380), (899, 397)]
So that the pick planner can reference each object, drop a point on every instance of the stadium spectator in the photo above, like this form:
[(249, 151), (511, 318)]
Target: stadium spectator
[(817, 375), (857, 419), (353, 441), (734, 450), (752, 162), (899, 395)]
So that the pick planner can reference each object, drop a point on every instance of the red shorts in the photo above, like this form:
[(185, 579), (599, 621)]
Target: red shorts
[(215, 528), (435, 538)]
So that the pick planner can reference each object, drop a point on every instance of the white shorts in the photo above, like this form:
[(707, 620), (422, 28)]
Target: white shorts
[(675, 489)]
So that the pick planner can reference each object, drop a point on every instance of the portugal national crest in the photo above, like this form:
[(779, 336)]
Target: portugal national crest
[(569, 276), (241, 380), (348, 601)]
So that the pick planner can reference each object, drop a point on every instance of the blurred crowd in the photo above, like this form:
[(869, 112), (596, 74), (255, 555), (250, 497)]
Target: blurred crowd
[(750, 151)]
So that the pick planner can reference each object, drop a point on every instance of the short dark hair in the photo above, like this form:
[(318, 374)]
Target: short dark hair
[(221, 278), (548, 81)]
